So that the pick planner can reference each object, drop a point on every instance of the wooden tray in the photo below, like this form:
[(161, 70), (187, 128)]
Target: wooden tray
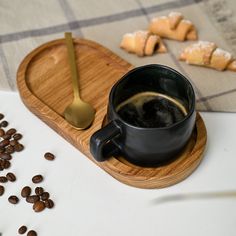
[(45, 87)]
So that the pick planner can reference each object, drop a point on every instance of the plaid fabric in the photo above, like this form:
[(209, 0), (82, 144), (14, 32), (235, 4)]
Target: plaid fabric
[(26, 24)]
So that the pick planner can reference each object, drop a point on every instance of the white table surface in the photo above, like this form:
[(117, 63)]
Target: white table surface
[(90, 202)]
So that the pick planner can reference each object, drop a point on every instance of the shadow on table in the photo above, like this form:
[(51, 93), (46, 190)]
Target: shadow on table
[(194, 196)]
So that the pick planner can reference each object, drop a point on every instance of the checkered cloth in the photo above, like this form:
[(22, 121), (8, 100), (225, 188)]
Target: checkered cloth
[(26, 24)]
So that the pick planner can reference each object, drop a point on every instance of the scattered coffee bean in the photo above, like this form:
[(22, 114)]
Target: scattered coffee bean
[(22, 229), (2, 164), (37, 179), (13, 142), (11, 131), (6, 164), (2, 190), (49, 203), (4, 124), (1, 116), (18, 147), (3, 179), (45, 196), (39, 191), (2, 132), (6, 136), (9, 149), (4, 143), (13, 199), (49, 156), (31, 233), (39, 206), (17, 136), (32, 199), (5, 156), (26, 191), (11, 177), (2, 149)]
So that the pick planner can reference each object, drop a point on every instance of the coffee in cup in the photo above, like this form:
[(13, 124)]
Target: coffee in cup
[(151, 110)]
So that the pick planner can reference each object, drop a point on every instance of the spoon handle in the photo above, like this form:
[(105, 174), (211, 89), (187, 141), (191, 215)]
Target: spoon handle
[(72, 62)]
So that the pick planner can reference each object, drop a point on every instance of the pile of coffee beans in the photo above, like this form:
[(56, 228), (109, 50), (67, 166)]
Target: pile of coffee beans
[(23, 229), (9, 177), (40, 199), (3, 179), (9, 144)]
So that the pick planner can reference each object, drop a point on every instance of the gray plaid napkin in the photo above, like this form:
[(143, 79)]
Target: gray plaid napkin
[(25, 24)]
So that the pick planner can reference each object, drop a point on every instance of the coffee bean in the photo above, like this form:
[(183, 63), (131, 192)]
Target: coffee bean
[(22, 229), (3, 179), (17, 136), (5, 156), (2, 132), (1, 162), (37, 179), (6, 164), (2, 190), (1, 116), (31, 233), (11, 177), (9, 149), (6, 136), (26, 191), (49, 203), (13, 199), (45, 196), (32, 199), (4, 124), (39, 191), (4, 143), (11, 131), (39, 206), (49, 156), (18, 147), (2, 150), (13, 142)]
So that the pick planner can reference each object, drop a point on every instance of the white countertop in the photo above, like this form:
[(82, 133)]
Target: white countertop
[(90, 202)]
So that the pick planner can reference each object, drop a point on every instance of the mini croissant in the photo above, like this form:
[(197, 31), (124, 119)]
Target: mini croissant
[(173, 26), (142, 43), (208, 54)]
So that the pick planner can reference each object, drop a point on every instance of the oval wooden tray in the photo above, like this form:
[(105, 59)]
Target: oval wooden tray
[(44, 83)]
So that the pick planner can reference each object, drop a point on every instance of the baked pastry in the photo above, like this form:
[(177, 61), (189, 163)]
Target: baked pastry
[(142, 43), (173, 26), (208, 54)]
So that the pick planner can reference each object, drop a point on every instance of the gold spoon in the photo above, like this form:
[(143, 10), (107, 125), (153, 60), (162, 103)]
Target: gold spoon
[(79, 113)]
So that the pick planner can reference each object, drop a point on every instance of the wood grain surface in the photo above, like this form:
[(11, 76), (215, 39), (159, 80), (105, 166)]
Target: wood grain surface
[(45, 86)]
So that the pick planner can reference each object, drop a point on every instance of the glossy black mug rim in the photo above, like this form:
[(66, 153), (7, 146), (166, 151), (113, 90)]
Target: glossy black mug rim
[(112, 94)]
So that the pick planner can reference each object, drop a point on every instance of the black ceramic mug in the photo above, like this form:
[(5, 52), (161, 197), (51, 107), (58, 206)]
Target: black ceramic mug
[(139, 145)]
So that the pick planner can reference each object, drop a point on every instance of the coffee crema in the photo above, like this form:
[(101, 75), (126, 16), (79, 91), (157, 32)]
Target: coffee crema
[(151, 110)]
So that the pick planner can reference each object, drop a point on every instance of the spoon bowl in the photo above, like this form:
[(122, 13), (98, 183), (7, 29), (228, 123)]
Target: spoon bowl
[(79, 113)]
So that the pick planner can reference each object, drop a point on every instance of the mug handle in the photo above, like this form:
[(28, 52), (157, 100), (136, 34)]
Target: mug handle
[(101, 145)]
